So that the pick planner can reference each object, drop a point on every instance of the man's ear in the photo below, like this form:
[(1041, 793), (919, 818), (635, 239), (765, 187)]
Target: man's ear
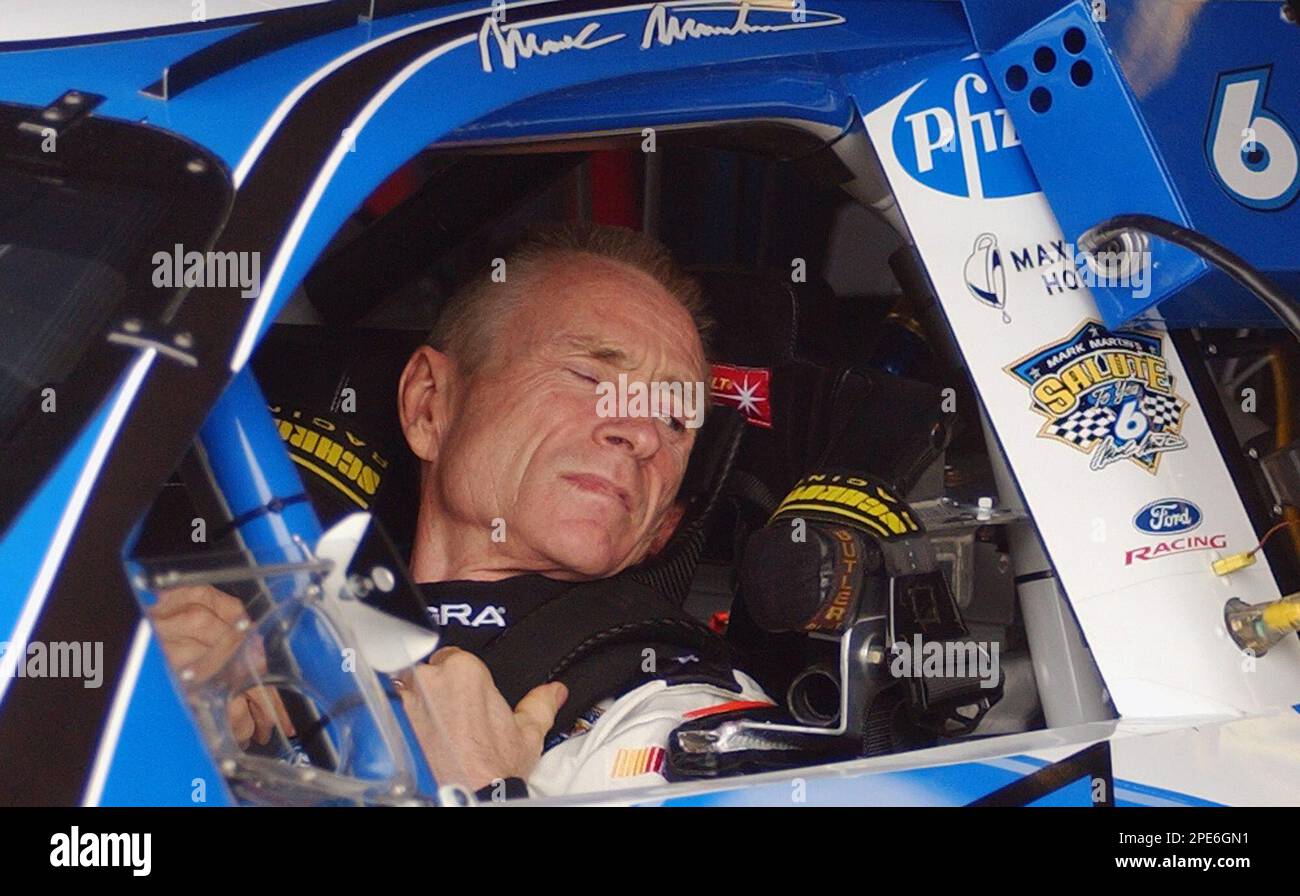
[(667, 526), (424, 400)]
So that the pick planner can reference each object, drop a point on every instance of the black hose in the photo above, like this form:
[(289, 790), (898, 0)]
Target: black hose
[(1221, 257)]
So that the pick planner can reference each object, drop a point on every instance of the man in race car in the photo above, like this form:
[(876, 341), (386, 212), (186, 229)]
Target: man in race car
[(526, 490)]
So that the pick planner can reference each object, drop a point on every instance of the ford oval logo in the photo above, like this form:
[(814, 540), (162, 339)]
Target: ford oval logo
[(1166, 516)]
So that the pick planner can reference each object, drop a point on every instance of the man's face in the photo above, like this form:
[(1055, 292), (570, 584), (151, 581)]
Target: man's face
[(526, 456)]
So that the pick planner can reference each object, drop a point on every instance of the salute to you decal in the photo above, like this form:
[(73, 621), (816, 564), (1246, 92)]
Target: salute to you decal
[(1107, 394)]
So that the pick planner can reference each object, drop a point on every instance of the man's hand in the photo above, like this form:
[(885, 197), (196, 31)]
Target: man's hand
[(199, 629), (469, 733)]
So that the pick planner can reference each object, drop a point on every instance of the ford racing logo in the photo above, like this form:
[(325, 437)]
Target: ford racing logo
[(1166, 516), (953, 135)]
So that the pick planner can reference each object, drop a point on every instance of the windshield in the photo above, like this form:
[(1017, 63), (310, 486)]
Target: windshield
[(64, 252), (84, 213)]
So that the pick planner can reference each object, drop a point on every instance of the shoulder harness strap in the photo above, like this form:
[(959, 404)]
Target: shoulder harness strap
[(592, 638)]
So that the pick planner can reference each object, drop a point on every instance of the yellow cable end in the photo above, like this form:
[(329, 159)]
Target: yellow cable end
[(1232, 563), (1282, 615)]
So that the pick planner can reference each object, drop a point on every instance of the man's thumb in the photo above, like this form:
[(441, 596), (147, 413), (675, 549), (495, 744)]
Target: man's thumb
[(540, 705)]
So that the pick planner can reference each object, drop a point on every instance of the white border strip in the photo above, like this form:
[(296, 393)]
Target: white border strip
[(68, 521), (117, 714)]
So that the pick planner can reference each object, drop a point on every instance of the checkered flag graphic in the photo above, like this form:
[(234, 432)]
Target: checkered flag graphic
[(1163, 411), (1083, 427)]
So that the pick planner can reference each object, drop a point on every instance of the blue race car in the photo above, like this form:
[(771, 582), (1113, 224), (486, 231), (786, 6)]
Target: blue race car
[(1002, 292)]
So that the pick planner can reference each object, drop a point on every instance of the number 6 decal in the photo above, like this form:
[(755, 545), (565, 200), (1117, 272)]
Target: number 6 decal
[(1132, 424), (1251, 152)]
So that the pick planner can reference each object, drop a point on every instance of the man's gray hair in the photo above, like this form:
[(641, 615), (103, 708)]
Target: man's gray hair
[(468, 324)]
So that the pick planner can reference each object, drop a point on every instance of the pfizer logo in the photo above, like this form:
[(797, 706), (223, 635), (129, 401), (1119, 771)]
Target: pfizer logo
[(1166, 516), (953, 135)]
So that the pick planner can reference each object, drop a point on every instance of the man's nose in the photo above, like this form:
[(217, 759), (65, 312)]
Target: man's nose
[(639, 436)]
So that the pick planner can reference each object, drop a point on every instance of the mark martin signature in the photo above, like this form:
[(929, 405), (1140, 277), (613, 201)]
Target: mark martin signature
[(663, 26)]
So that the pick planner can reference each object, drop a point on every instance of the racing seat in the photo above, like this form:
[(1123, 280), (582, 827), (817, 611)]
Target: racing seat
[(788, 337), (333, 395)]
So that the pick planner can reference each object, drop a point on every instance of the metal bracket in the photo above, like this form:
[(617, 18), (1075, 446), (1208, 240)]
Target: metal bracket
[(174, 578), (135, 333), (861, 652), (61, 115), (946, 514)]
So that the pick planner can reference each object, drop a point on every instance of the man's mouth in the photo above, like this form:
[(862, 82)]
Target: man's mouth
[(599, 485)]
